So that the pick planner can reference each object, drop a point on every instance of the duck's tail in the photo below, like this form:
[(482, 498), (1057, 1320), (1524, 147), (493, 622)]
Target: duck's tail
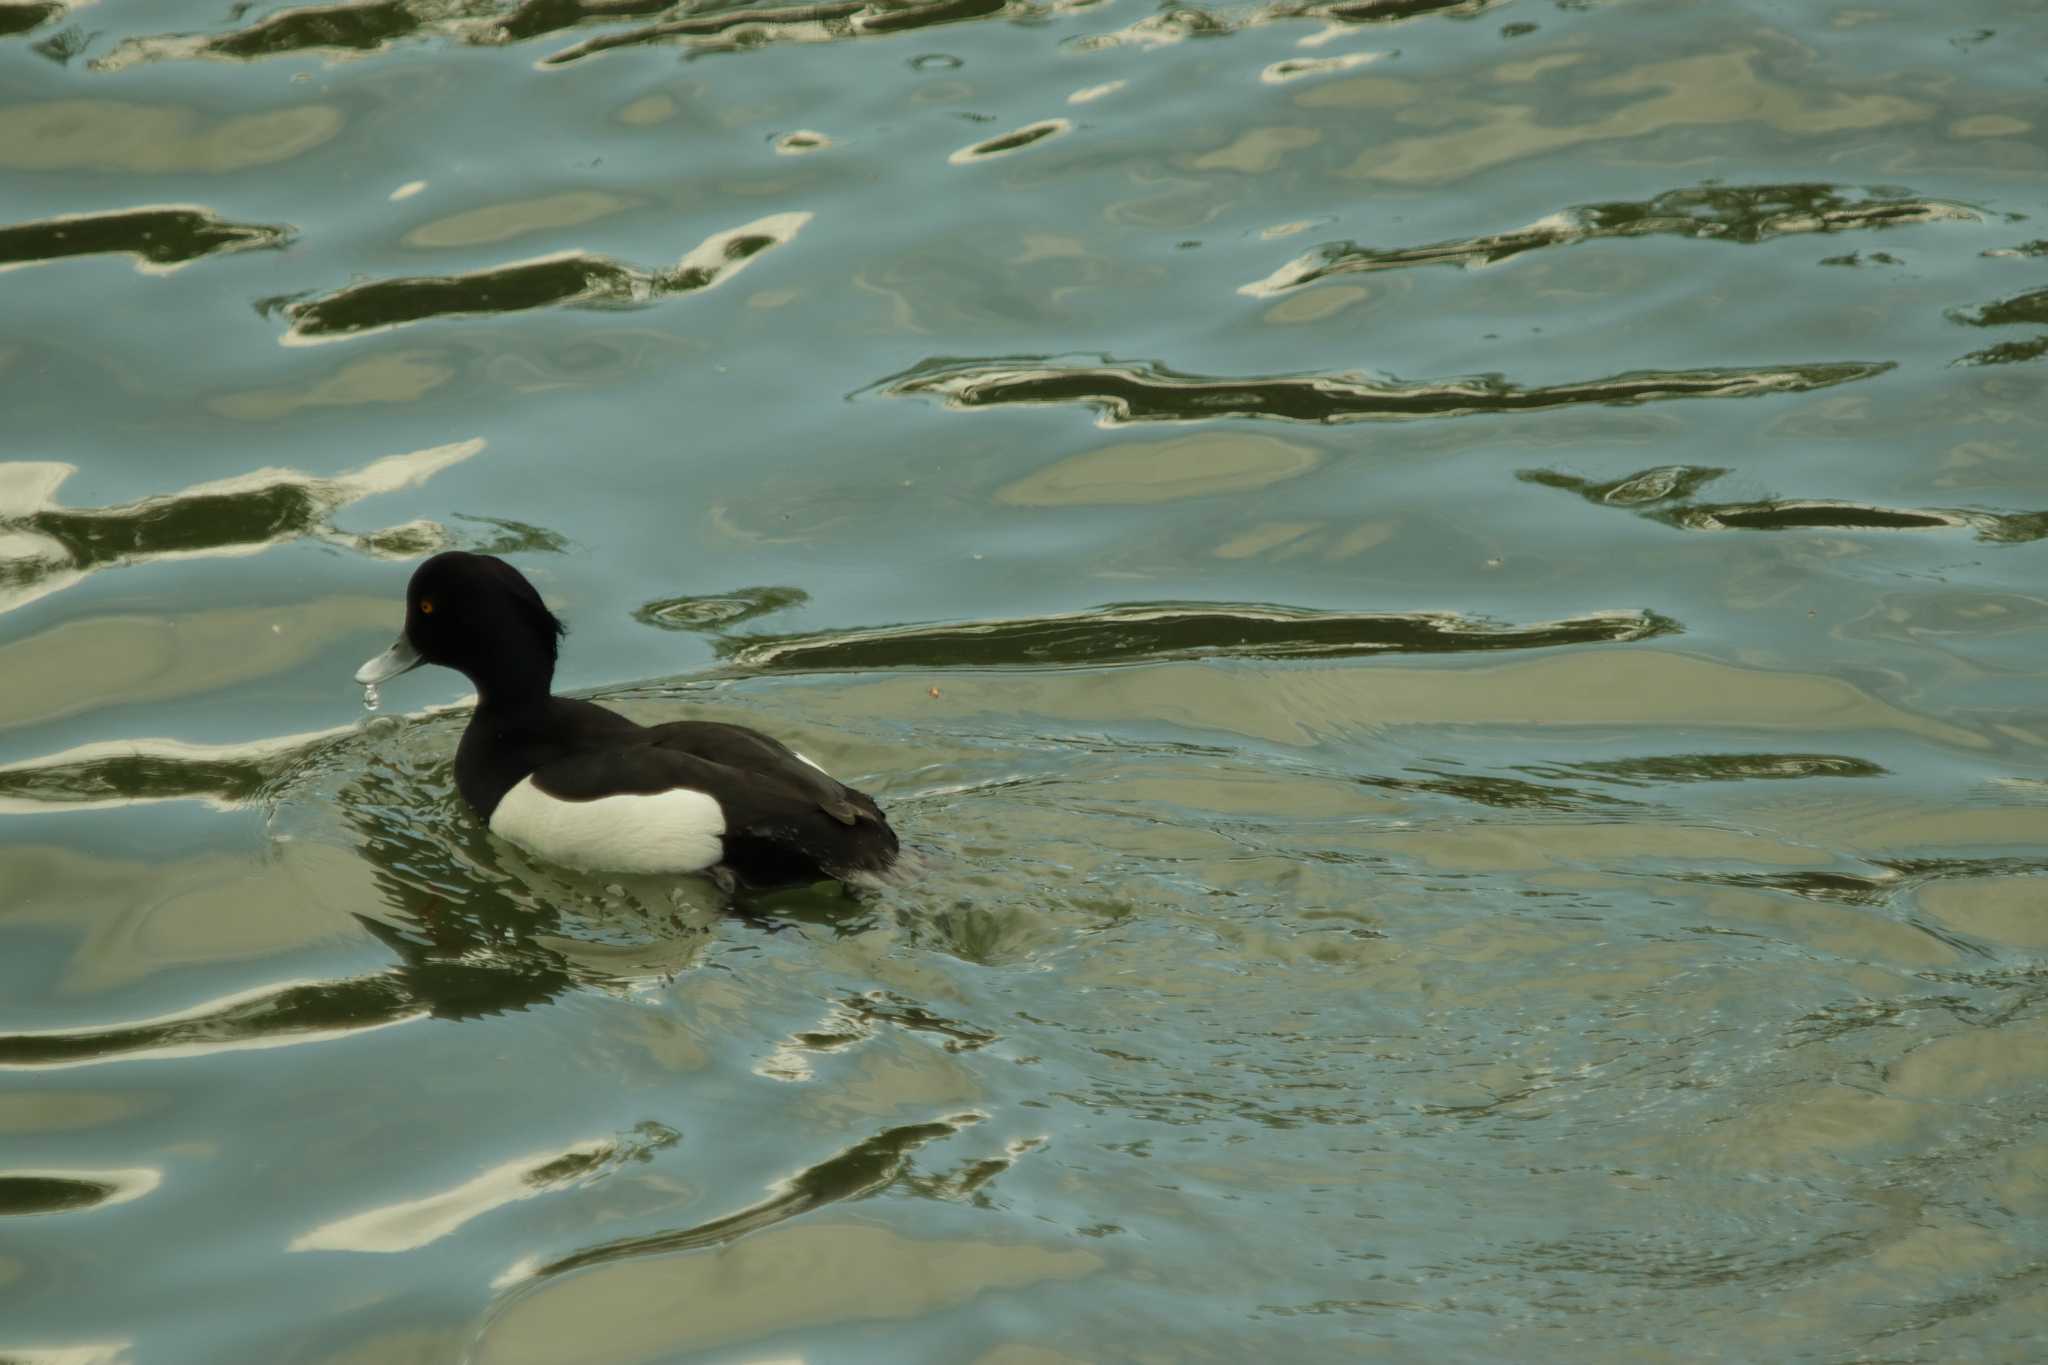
[(904, 866)]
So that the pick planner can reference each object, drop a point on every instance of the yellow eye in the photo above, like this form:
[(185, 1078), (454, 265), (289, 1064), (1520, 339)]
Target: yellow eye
[(426, 607)]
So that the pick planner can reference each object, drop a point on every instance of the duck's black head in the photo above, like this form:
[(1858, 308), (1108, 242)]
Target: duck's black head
[(479, 616)]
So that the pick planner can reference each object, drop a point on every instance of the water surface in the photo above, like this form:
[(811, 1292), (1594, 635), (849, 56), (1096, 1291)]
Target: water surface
[(1448, 593)]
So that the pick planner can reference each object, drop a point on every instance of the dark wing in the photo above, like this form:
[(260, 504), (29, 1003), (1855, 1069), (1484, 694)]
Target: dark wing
[(765, 759), (784, 820)]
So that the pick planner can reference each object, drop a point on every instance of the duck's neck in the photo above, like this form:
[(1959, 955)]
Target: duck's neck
[(503, 698), (515, 674)]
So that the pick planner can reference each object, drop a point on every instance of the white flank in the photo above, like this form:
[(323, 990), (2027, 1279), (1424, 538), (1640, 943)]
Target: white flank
[(671, 831)]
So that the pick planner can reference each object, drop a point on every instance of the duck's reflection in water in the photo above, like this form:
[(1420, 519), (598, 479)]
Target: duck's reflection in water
[(473, 932)]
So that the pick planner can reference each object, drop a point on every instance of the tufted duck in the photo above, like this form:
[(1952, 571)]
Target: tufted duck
[(583, 786)]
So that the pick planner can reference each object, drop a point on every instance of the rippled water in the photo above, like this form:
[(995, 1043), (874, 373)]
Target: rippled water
[(1448, 592)]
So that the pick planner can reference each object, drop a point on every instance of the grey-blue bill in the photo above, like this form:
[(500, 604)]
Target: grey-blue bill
[(400, 658)]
